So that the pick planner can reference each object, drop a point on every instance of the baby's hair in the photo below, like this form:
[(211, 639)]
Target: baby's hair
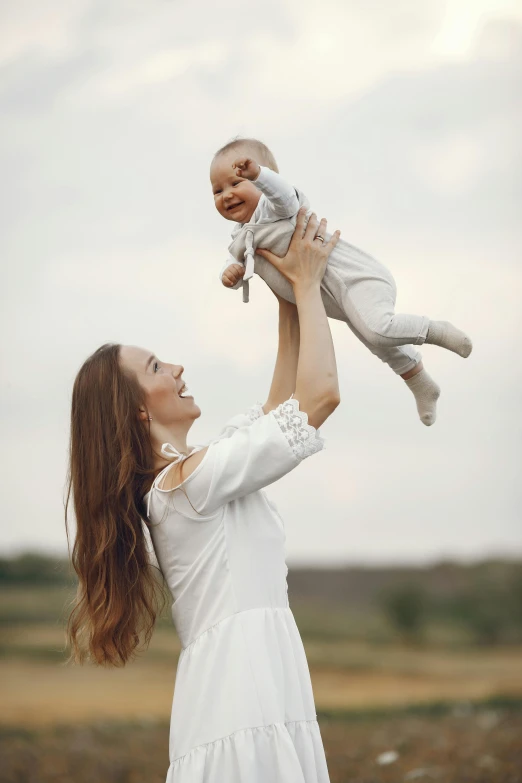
[(259, 150)]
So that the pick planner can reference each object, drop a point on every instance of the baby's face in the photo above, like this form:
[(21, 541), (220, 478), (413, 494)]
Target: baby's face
[(235, 198)]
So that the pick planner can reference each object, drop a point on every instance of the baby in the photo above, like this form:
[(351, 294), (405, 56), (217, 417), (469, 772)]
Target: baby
[(355, 288)]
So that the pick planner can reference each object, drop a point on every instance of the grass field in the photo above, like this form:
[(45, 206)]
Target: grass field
[(463, 744), (39, 689), (452, 711)]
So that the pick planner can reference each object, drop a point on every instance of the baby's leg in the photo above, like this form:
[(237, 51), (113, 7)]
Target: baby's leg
[(426, 393), (405, 361), (400, 358), (370, 306)]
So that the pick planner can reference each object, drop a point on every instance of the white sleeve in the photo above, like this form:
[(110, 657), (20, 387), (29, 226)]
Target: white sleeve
[(282, 196), (240, 420), (252, 456), (230, 260)]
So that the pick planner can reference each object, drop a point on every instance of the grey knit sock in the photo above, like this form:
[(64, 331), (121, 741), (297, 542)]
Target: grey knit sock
[(448, 336), (426, 393)]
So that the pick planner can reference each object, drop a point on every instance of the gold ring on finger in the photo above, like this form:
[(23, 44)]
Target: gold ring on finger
[(318, 236)]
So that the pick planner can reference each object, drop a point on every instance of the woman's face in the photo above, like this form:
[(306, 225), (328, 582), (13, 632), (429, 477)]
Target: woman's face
[(162, 384)]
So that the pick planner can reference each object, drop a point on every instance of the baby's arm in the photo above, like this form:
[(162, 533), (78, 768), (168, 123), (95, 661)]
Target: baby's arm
[(282, 196), (231, 274)]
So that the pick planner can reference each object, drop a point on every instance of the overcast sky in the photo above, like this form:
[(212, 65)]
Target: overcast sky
[(400, 121)]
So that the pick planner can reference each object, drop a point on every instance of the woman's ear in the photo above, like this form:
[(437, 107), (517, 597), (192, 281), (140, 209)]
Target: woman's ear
[(143, 415)]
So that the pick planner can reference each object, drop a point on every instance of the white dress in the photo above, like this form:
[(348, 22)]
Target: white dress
[(243, 708)]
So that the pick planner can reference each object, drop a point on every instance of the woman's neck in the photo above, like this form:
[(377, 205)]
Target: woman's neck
[(162, 435)]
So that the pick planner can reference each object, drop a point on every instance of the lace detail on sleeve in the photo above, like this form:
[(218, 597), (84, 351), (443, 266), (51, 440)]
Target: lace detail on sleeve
[(304, 439), (255, 411)]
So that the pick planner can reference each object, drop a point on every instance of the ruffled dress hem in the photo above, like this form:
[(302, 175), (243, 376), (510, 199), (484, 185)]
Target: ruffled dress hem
[(289, 752)]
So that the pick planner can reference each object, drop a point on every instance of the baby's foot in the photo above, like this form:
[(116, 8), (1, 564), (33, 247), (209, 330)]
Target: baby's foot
[(448, 336), (426, 393)]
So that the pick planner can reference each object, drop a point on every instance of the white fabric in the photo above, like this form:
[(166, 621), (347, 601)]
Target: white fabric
[(243, 708), (278, 201), (356, 288)]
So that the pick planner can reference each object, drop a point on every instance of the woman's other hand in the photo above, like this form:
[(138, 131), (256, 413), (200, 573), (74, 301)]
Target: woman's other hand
[(305, 261)]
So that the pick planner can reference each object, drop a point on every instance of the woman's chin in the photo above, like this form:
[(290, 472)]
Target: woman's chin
[(196, 407)]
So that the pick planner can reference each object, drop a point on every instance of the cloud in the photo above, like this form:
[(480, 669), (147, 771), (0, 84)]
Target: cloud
[(463, 22), (452, 166), (399, 121), (46, 29)]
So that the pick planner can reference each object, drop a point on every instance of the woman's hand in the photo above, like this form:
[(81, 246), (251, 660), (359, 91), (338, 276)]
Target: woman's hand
[(307, 256)]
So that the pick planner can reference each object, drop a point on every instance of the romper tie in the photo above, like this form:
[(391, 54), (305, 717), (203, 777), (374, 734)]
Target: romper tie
[(249, 262)]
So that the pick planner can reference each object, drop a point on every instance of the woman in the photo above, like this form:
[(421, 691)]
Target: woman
[(243, 709)]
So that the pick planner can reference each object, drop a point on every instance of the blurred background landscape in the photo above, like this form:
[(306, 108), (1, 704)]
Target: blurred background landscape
[(402, 123), (416, 674)]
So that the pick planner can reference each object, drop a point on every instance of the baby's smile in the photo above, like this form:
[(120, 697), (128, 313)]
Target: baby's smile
[(235, 198)]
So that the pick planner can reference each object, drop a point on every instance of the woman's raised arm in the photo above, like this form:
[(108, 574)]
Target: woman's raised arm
[(285, 371), (305, 354), (316, 384)]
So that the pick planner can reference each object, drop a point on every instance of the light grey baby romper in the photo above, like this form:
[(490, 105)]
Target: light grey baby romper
[(356, 288)]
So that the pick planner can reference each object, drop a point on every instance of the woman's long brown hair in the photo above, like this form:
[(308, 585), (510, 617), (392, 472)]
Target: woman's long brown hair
[(110, 469)]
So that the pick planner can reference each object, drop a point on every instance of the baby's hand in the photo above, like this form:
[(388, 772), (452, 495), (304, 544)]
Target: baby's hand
[(246, 168), (232, 274)]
